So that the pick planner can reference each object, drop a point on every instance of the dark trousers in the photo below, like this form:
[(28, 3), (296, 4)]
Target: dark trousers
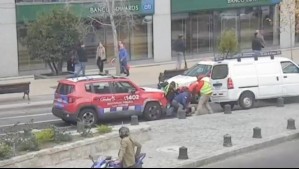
[(124, 69), (100, 64)]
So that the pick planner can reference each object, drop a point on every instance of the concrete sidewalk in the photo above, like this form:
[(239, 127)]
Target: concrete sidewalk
[(42, 90), (203, 136), (47, 86)]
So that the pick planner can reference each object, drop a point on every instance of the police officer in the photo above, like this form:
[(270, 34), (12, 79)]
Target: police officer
[(202, 87), (171, 91)]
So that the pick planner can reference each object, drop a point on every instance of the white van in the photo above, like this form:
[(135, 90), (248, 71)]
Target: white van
[(244, 80)]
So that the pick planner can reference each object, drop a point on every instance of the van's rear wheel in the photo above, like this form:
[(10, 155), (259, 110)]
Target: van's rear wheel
[(232, 105), (246, 100)]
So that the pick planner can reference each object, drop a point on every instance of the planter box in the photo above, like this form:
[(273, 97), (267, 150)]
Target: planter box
[(76, 150)]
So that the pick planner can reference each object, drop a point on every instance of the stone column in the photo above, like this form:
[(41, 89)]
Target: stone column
[(287, 23), (162, 30), (8, 39)]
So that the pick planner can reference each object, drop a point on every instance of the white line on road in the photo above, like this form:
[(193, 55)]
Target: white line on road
[(17, 117), (47, 121)]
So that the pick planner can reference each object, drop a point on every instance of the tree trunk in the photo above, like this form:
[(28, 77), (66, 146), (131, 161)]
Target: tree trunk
[(51, 67), (227, 54), (59, 66), (55, 68), (115, 36)]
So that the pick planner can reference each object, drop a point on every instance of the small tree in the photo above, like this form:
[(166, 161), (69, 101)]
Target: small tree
[(228, 44), (52, 37), (115, 14)]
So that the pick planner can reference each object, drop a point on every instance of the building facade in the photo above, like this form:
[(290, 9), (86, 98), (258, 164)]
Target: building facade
[(157, 23)]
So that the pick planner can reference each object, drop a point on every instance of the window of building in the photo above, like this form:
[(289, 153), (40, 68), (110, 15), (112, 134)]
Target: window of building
[(137, 37), (203, 29)]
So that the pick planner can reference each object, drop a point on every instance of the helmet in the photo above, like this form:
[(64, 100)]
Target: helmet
[(173, 84), (124, 132)]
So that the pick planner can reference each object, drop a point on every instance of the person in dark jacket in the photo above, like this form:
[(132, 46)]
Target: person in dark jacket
[(179, 48), (81, 60), (257, 44), (181, 101)]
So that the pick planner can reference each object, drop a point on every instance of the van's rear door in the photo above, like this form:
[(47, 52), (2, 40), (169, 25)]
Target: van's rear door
[(219, 78)]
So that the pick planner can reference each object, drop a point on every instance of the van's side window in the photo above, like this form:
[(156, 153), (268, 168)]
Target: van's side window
[(219, 72), (289, 67)]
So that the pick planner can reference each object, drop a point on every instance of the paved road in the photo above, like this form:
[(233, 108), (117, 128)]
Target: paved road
[(281, 156), (42, 116)]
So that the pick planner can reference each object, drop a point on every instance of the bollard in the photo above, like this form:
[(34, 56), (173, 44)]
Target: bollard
[(257, 132), (80, 126), (227, 141), (107, 72), (183, 153), (291, 124), (227, 109), (134, 120), (280, 102), (181, 114)]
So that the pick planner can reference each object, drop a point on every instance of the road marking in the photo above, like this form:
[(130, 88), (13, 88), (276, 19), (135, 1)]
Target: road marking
[(17, 117), (47, 121)]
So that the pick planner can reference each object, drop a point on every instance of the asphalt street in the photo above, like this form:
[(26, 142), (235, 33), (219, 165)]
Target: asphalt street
[(284, 155), (43, 118)]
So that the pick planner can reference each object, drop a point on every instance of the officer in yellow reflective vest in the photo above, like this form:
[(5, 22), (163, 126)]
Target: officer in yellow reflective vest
[(203, 87), (170, 91)]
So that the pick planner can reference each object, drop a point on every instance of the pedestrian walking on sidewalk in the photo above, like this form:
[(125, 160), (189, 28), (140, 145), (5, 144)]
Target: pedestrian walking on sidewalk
[(127, 155), (202, 87), (101, 57), (257, 44), (123, 59), (179, 48), (81, 60)]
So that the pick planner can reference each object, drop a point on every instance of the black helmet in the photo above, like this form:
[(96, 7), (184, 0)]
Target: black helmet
[(173, 84), (124, 132)]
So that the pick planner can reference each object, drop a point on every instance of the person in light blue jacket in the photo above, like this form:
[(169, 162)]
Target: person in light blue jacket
[(123, 59)]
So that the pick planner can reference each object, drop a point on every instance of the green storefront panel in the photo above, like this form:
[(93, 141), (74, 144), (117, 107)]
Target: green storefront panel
[(178, 6), (30, 12)]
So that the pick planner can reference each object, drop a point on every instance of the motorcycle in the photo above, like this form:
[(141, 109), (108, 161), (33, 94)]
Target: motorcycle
[(107, 162)]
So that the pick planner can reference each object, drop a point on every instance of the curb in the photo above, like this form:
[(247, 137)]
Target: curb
[(238, 150), (42, 104)]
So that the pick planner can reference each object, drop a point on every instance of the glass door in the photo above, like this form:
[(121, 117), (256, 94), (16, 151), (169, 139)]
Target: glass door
[(201, 33), (229, 21)]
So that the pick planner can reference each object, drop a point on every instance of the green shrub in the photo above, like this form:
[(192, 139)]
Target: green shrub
[(28, 144), (103, 129), (228, 44), (6, 151), (62, 137), (45, 136)]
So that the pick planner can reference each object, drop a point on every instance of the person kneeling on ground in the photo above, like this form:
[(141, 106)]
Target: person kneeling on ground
[(181, 102), (170, 91), (127, 156)]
